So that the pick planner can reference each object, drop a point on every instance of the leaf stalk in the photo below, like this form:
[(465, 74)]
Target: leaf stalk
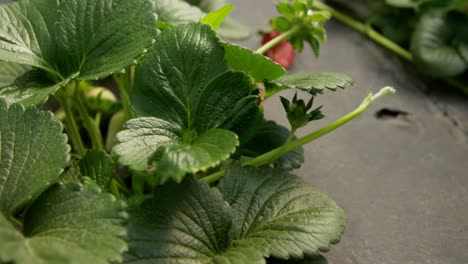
[(269, 156), (89, 123), (72, 127), (272, 43), (123, 82)]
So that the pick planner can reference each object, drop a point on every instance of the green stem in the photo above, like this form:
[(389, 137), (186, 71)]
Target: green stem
[(365, 30), (368, 31), (212, 178), (270, 44), (123, 84), (89, 123), (131, 78), (138, 184), (263, 159), (121, 186), (72, 127), (279, 150), (16, 221), (267, 157), (114, 189)]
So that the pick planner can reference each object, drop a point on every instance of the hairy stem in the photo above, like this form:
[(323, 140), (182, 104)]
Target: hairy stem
[(267, 157), (89, 123), (368, 31), (270, 44), (72, 127)]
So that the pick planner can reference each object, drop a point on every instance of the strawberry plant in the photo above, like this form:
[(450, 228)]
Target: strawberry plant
[(429, 33), (182, 168), (296, 25)]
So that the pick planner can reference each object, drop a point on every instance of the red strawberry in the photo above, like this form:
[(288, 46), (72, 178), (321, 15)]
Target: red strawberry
[(283, 53)]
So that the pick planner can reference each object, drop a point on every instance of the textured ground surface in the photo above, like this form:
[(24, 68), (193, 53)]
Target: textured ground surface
[(402, 181)]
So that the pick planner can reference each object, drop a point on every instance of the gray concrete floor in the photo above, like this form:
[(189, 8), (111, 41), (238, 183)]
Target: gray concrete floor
[(404, 181)]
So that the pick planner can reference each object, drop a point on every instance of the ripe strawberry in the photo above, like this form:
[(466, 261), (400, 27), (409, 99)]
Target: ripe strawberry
[(283, 53)]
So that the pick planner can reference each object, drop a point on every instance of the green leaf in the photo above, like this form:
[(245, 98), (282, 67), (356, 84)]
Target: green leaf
[(72, 39), (215, 18), (67, 224), (170, 79), (150, 139), (176, 12), (280, 24), (189, 92), (314, 82), (9, 72), (285, 9), (98, 166), (110, 37), (279, 214), (185, 223), (206, 151), (26, 35), (433, 47), (72, 174), (29, 88), (256, 65), (33, 153), (270, 136)]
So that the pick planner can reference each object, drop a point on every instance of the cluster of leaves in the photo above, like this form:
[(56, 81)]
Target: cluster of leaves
[(433, 30), (192, 109), (301, 24)]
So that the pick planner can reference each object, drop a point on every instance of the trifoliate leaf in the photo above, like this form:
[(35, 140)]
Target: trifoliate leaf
[(256, 65), (67, 224), (185, 223), (33, 153), (110, 36), (98, 166), (433, 47), (215, 18), (279, 214), (268, 137), (314, 82), (189, 92), (150, 139)]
